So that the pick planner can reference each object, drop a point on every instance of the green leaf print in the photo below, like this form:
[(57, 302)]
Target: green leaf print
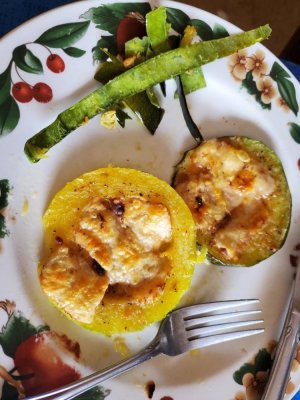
[(295, 131), (263, 361), (108, 16), (9, 115), (178, 19), (288, 93), (5, 84), (65, 35), (17, 329), (3, 229), (106, 42), (206, 32), (26, 60), (238, 375), (74, 52), (219, 31), (285, 86), (97, 393), (4, 191), (203, 29), (278, 72)]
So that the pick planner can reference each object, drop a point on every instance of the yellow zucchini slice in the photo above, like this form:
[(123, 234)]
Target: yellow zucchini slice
[(137, 307)]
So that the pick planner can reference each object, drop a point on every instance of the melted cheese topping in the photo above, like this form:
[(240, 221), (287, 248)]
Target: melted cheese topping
[(225, 188), (124, 235), (126, 238), (70, 280)]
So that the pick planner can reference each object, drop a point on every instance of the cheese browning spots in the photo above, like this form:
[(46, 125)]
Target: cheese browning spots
[(237, 192), (117, 249)]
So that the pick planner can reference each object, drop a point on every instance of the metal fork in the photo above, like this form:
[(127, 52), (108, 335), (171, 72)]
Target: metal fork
[(182, 330)]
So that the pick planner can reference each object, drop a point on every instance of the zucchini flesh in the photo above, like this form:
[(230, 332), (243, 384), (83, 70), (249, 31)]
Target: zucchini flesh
[(154, 70), (239, 197)]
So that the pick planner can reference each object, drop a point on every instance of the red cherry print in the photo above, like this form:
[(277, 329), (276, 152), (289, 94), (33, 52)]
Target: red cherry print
[(42, 92), (129, 28), (39, 357), (55, 63), (22, 92)]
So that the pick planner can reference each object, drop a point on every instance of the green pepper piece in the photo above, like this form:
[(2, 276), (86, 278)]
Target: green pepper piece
[(139, 78), (137, 46), (194, 79), (158, 30)]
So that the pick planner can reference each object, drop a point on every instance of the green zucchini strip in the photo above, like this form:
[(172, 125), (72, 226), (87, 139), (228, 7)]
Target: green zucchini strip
[(135, 80), (191, 80), (158, 30)]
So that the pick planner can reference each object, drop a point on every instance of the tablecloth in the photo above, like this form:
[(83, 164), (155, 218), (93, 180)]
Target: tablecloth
[(15, 12)]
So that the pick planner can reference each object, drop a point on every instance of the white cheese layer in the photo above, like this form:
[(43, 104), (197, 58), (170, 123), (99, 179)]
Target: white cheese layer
[(116, 242), (125, 237), (70, 280)]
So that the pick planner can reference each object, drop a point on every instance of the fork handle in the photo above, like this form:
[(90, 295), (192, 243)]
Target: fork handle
[(73, 389), (285, 354)]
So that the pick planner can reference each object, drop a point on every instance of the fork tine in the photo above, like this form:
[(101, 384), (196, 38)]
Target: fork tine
[(199, 309), (192, 323), (198, 343), (203, 331)]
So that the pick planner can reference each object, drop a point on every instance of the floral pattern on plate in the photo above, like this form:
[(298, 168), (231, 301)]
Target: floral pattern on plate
[(13, 86), (254, 375), (37, 354), (4, 192), (269, 87)]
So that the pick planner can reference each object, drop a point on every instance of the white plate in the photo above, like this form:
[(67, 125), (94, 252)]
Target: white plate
[(224, 107)]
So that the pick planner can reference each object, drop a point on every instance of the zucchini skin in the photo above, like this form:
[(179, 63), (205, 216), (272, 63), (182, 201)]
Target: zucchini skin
[(151, 72), (113, 315), (270, 236)]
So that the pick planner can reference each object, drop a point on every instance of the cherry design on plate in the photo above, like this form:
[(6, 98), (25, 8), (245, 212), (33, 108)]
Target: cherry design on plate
[(130, 27), (22, 92), (55, 63), (42, 92), (42, 53)]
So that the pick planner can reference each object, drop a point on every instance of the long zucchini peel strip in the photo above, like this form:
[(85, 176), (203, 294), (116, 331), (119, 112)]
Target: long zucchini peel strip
[(137, 79)]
